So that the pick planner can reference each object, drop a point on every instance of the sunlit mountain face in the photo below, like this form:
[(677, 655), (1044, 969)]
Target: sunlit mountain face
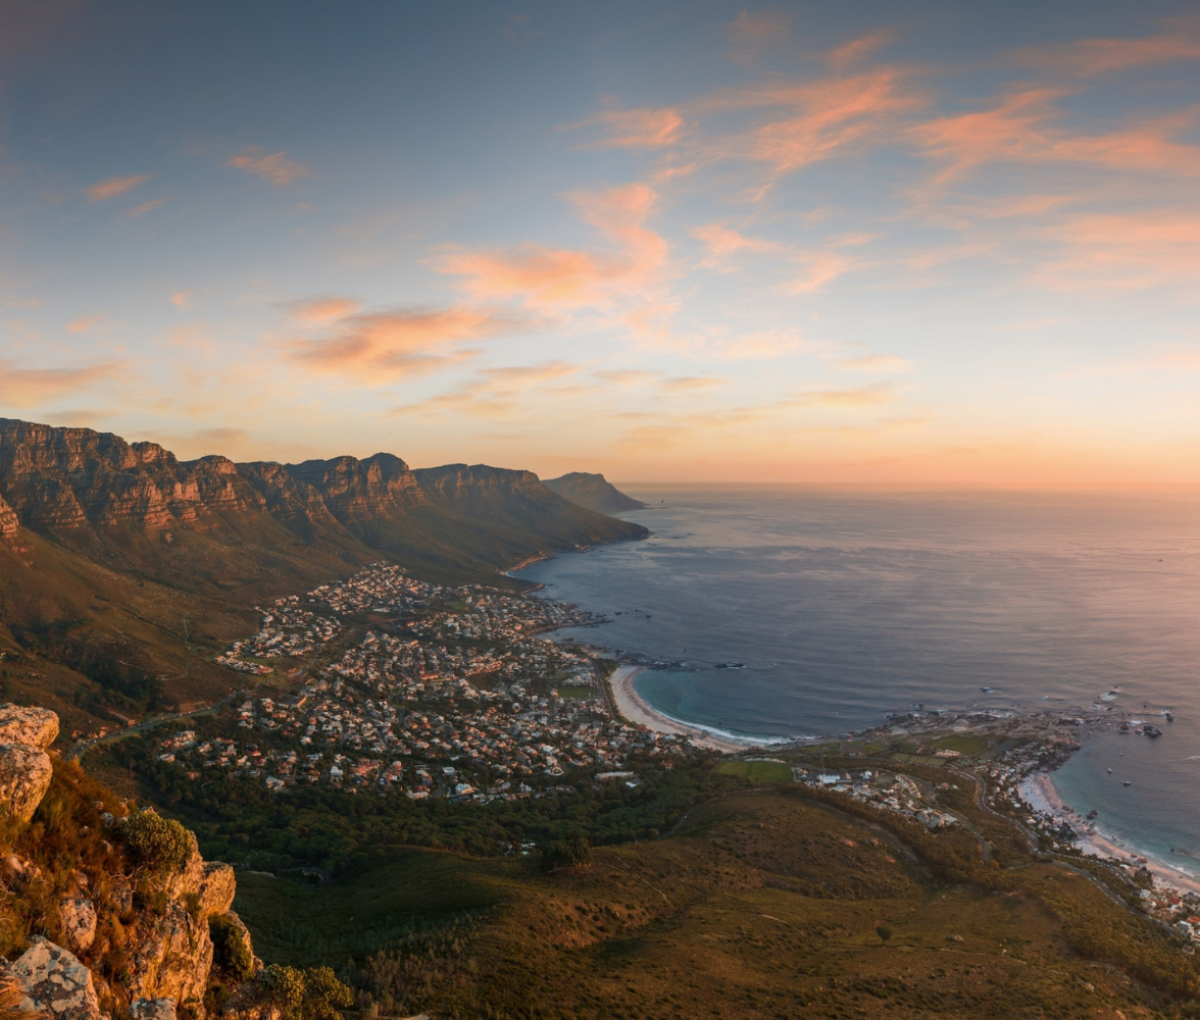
[(944, 243)]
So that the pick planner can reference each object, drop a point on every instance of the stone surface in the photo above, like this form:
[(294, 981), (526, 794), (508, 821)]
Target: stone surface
[(36, 727), (78, 919), (152, 1009), (173, 960), (54, 982), (121, 897), (244, 932), (24, 779)]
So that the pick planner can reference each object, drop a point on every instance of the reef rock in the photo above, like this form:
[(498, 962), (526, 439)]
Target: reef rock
[(54, 982), (25, 774), (78, 920), (37, 727)]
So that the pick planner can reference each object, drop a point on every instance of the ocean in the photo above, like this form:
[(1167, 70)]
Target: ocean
[(775, 612)]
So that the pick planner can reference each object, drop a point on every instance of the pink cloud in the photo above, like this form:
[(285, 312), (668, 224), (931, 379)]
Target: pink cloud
[(1125, 250), (555, 278), (1087, 57), (381, 347), (860, 48), (629, 129), (114, 186), (276, 167), (28, 387)]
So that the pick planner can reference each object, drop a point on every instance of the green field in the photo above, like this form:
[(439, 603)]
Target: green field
[(960, 743), (577, 691), (757, 771)]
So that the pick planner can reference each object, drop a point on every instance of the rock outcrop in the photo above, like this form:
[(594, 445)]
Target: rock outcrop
[(25, 774), (53, 981), (37, 727), (77, 918), (172, 960), (9, 524), (594, 492), (153, 1009)]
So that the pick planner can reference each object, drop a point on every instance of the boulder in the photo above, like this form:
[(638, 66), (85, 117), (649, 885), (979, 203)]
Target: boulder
[(217, 889), (25, 775), (152, 1009), (37, 727), (78, 920), (54, 982)]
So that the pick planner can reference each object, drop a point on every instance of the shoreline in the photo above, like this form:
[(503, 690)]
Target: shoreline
[(632, 707), (1038, 791)]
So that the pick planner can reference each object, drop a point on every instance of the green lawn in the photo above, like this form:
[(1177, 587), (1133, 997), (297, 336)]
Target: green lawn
[(757, 771), (962, 744), (577, 691)]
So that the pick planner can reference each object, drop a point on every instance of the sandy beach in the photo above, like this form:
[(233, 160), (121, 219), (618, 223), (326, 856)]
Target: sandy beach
[(1039, 792), (633, 708)]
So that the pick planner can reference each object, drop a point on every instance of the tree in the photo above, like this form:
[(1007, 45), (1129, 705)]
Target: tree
[(884, 933), (230, 953), (573, 852)]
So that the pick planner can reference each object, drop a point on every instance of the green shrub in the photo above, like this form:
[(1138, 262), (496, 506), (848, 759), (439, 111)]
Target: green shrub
[(230, 954), (158, 845), (313, 994), (573, 852)]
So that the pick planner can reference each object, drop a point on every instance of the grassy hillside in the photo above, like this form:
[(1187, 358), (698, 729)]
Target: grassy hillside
[(763, 904)]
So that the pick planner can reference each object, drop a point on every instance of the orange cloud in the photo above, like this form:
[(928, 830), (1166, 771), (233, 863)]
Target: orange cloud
[(1125, 250), (1019, 130), (630, 129), (276, 167), (821, 268), (322, 311), (722, 242), (382, 347), (114, 186), (145, 207), (1088, 57), (830, 116), (497, 392), (876, 364), (860, 397), (84, 323), (753, 34), (28, 387), (553, 278), (182, 300)]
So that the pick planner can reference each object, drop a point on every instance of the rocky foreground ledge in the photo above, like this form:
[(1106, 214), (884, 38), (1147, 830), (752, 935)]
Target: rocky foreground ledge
[(107, 910)]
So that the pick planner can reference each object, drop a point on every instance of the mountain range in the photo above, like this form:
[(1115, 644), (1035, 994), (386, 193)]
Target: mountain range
[(126, 546), (592, 491)]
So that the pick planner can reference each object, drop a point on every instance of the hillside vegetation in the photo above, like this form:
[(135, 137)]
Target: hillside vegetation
[(762, 904)]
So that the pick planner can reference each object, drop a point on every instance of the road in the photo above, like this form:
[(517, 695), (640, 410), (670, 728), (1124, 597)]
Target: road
[(80, 747)]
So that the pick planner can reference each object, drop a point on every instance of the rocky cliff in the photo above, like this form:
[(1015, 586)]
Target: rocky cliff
[(106, 911)]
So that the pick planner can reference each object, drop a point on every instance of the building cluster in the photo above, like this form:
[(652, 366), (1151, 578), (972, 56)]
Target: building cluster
[(433, 691), (888, 791)]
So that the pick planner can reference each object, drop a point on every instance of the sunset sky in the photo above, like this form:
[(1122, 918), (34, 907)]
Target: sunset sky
[(940, 243)]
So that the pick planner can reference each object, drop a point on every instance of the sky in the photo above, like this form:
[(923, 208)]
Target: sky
[(669, 240)]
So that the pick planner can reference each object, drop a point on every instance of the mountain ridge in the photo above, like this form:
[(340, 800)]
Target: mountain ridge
[(592, 491)]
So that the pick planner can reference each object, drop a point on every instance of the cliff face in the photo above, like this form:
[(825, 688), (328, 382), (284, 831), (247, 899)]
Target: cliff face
[(90, 927), (99, 494)]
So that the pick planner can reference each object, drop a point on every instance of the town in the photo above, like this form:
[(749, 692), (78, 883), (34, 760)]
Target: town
[(423, 690)]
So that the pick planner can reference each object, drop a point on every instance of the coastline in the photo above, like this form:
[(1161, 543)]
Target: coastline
[(632, 707), (1039, 792)]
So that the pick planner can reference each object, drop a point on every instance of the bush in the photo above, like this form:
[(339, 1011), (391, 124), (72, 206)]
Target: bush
[(574, 852), (158, 845), (230, 954), (313, 994)]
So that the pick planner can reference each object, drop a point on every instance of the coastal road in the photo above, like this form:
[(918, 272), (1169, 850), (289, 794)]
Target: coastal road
[(79, 748)]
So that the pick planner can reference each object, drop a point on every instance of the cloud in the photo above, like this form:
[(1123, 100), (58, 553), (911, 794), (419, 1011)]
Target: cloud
[(518, 30), (625, 377), (381, 347), (751, 35), (182, 300), (633, 129), (551, 279), (1019, 129), (692, 384), (829, 117), (722, 242), (276, 167), (860, 48), (114, 186), (497, 393), (322, 311), (1087, 57), (821, 268), (29, 387), (84, 323), (873, 395), (876, 364), (145, 207)]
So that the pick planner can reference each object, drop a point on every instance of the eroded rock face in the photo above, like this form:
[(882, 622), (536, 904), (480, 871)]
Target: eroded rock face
[(8, 521), (25, 774), (174, 960), (54, 982), (37, 727), (78, 920)]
